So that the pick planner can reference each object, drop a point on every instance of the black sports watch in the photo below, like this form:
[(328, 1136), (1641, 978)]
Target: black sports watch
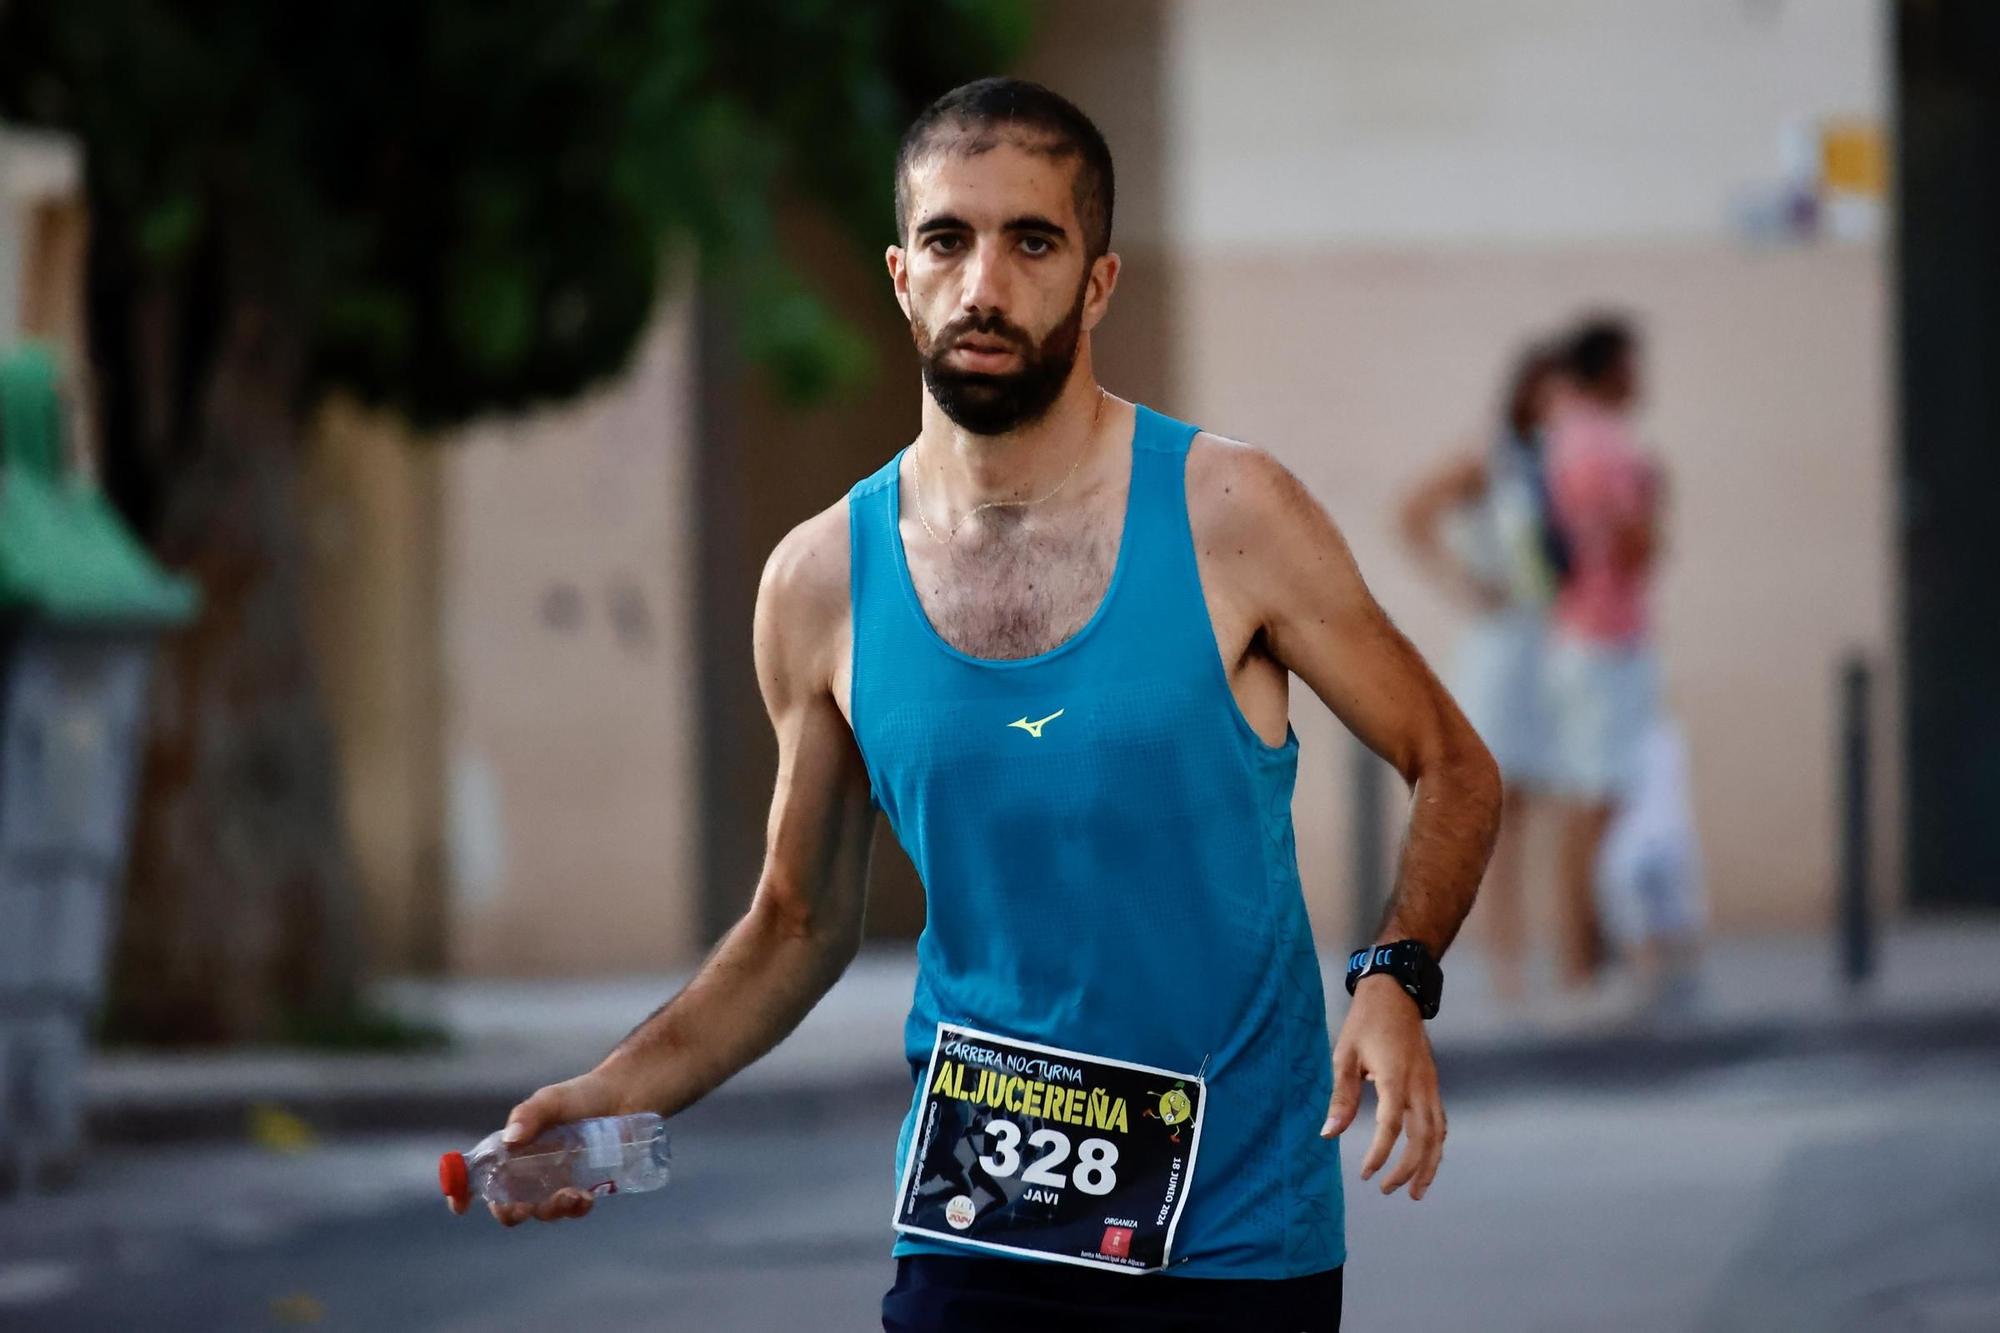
[(1410, 963)]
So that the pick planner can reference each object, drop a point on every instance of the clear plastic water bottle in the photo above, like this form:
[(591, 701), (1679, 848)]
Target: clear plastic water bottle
[(617, 1154)]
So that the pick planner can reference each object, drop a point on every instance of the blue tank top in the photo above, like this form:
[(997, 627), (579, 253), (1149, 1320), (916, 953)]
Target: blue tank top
[(1125, 882)]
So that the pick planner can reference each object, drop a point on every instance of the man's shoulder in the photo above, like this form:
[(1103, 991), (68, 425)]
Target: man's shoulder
[(1234, 486), (806, 577), (1262, 539)]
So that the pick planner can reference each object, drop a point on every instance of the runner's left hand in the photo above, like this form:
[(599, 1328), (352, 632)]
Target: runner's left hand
[(1383, 1041)]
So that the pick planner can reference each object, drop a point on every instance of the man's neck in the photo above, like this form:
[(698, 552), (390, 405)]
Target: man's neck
[(964, 469)]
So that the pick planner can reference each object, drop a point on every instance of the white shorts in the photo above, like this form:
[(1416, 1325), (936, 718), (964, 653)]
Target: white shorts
[(1497, 679), (1649, 876), (1604, 698)]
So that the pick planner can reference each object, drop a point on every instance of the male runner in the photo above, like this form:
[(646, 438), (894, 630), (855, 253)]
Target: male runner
[(1051, 640)]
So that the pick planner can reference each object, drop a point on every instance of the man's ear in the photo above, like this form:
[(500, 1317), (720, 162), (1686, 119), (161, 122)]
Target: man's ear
[(899, 277), (1097, 294)]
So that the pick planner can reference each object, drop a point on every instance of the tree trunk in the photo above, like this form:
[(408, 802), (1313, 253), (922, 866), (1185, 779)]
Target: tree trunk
[(242, 917)]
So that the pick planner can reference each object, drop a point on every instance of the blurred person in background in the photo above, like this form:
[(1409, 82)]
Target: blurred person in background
[(1480, 525), (1052, 640), (1603, 672)]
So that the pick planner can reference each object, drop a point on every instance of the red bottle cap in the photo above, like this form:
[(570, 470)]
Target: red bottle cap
[(452, 1175)]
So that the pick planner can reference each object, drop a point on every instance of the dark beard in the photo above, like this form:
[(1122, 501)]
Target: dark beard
[(996, 404)]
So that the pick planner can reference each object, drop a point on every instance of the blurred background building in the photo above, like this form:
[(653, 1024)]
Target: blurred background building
[(44, 227), (1338, 223)]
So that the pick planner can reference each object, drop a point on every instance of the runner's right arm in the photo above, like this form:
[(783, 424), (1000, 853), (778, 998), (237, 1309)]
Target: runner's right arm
[(803, 925), (804, 922)]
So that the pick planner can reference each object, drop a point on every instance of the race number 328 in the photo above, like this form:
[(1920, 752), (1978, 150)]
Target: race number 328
[(1095, 1158), (1024, 1148)]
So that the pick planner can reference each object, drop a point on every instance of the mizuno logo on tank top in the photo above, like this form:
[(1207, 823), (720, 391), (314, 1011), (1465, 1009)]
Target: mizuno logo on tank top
[(1121, 882), (1035, 728)]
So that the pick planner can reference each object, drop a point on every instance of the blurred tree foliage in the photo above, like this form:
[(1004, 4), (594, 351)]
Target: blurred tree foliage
[(464, 202), (447, 207)]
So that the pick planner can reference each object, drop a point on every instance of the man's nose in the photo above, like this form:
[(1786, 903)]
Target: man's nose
[(985, 290)]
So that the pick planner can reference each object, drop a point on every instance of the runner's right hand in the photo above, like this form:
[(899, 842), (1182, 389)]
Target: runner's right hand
[(579, 1098)]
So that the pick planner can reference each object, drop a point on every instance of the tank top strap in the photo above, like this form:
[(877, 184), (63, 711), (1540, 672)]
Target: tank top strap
[(1161, 600), (886, 636), (872, 524), (1157, 433), (1159, 485)]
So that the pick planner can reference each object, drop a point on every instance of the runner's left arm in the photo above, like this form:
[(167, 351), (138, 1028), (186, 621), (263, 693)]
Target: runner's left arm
[(1317, 618)]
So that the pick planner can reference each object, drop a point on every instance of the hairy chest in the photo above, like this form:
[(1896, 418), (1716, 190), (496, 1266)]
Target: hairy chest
[(1018, 585)]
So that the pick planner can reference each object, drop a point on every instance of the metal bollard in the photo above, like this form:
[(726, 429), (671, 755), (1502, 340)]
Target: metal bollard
[(1855, 924)]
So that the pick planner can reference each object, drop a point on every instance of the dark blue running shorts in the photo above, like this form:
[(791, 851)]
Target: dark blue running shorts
[(937, 1294)]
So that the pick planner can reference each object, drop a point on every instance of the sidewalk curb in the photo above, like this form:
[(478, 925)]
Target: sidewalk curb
[(1598, 1060), (1637, 1058)]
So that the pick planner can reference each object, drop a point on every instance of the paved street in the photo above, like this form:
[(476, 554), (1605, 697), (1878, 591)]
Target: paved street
[(1826, 1193)]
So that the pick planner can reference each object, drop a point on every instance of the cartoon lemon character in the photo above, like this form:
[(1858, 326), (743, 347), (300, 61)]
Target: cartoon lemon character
[(1175, 1109)]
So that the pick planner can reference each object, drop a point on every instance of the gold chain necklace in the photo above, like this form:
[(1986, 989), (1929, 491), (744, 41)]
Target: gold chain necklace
[(917, 486)]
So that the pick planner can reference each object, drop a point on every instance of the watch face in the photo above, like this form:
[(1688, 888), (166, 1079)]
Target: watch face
[(1409, 962)]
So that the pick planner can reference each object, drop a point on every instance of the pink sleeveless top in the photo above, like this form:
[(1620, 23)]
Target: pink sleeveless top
[(1599, 481)]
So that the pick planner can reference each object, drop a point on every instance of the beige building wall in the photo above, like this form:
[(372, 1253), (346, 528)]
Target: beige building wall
[(504, 620), (1505, 122), (1772, 414), (373, 506), (570, 725), (1375, 202)]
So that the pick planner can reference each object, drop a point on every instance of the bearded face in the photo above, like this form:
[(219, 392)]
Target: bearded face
[(961, 367), (997, 278)]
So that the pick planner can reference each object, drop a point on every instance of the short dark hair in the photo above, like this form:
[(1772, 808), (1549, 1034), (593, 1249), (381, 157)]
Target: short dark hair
[(1596, 347), (978, 111), (1532, 365)]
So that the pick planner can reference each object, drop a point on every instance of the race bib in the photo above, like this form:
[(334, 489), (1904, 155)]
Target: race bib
[(1030, 1149)]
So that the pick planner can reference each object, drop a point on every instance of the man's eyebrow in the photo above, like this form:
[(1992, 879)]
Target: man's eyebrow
[(1031, 223), (1034, 222)]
